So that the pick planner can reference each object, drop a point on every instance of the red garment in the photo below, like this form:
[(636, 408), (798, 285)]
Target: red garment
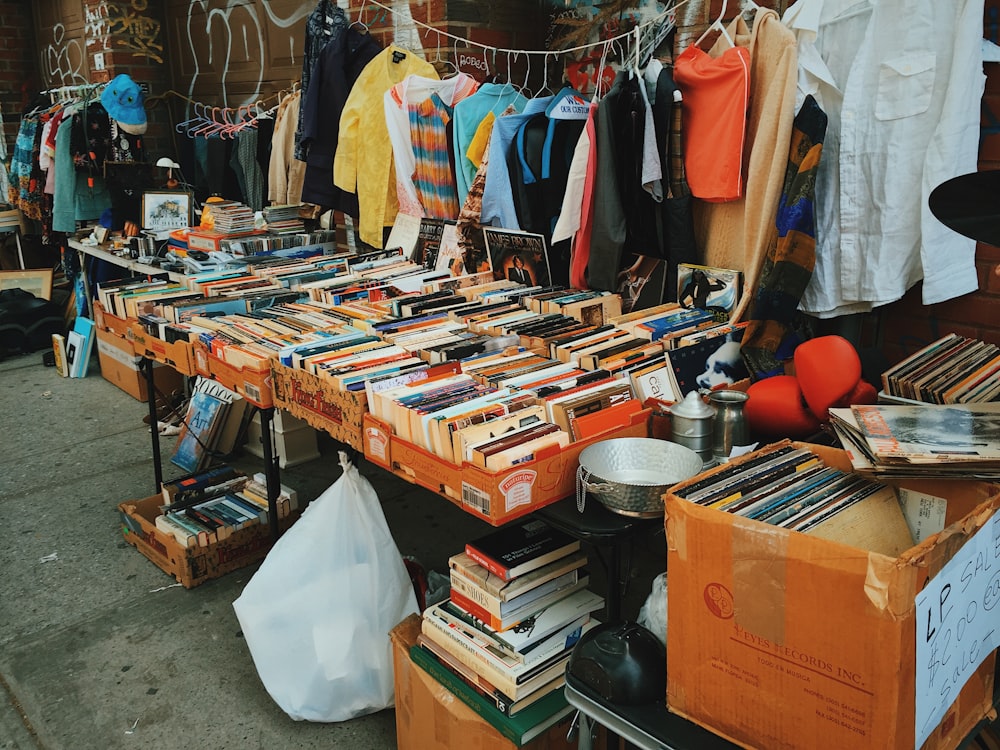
[(716, 96)]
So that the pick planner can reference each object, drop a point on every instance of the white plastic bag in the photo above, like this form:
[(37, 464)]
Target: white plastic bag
[(653, 615), (318, 612)]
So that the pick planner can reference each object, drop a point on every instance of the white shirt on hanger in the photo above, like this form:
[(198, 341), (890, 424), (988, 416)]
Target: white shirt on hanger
[(412, 90), (901, 82)]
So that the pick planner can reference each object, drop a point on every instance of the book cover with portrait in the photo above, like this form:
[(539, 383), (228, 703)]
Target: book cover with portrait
[(518, 256)]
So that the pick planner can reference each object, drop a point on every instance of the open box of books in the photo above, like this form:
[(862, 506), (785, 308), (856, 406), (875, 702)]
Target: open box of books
[(108, 322), (828, 621), (252, 381), (315, 400), (193, 565), (177, 354), (495, 496)]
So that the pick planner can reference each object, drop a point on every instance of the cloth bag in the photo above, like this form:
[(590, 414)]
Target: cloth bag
[(317, 613)]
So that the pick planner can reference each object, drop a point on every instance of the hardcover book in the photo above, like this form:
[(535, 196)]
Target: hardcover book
[(520, 547), (199, 432)]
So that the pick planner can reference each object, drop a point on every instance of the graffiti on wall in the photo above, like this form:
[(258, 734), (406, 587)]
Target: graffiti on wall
[(62, 60), (124, 27), (224, 33)]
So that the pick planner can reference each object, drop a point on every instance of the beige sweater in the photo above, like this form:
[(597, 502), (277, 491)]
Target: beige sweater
[(737, 234), (285, 173)]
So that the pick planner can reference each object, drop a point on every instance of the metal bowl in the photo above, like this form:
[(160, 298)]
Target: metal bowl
[(631, 475)]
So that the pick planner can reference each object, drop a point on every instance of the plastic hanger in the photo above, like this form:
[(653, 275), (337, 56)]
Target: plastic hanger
[(359, 22), (717, 25), (545, 79)]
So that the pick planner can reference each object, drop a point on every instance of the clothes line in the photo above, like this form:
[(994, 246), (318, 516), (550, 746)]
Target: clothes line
[(659, 19)]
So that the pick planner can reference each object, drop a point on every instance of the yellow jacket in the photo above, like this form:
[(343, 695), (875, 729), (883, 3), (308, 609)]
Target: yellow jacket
[(363, 162)]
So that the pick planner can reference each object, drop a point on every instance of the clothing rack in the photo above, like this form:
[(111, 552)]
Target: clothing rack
[(66, 92)]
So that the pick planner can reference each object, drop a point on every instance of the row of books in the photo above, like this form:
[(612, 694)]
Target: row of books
[(952, 370), (206, 507), (519, 602), (943, 440)]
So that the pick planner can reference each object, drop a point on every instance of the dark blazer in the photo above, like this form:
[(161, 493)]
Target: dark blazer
[(337, 68), (520, 275)]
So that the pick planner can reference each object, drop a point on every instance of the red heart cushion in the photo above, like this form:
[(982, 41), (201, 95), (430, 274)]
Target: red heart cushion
[(776, 409), (828, 368)]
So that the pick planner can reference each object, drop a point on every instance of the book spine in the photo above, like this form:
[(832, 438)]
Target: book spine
[(467, 652), (491, 565), (470, 591), (477, 611)]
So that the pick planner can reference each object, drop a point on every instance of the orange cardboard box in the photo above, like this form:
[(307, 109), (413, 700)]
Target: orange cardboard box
[(315, 400), (120, 366), (429, 717), (779, 640), (496, 497)]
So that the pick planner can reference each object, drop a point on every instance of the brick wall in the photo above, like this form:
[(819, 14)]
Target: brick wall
[(19, 80), (908, 324)]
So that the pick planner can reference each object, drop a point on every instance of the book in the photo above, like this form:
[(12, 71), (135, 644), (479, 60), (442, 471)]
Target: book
[(536, 620), (81, 340), (520, 547), (483, 686), (520, 728), (479, 652), (237, 417), (199, 432), (493, 586), (59, 354)]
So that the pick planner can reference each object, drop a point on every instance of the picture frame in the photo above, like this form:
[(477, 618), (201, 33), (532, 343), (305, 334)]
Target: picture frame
[(37, 281), (166, 209)]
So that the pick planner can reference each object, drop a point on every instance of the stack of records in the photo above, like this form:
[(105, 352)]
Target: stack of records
[(232, 217), (942, 440), (284, 218)]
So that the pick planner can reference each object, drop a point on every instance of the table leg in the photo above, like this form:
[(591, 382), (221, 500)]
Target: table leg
[(154, 432), (271, 471)]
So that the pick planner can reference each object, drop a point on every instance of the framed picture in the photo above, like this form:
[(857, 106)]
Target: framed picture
[(38, 281), (166, 209)]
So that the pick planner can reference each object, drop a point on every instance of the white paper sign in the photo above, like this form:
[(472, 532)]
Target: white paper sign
[(957, 625), (924, 513)]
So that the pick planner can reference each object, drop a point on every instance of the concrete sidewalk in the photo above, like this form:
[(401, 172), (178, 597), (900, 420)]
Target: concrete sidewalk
[(98, 647)]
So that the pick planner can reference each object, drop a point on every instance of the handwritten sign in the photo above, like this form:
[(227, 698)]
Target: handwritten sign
[(957, 626)]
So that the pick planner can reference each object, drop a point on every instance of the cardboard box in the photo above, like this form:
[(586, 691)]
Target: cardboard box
[(120, 366), (108, 322), (429, 717), (495, 497), (253, 384), (778, 639), (193, 565), (314, 400), (179, 354)]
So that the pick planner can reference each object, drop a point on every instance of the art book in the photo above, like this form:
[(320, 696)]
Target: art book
[(714, 289), (520, 547), (518, 256), (199, 432)]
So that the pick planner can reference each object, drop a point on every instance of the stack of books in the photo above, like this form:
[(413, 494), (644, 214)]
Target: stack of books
[(519, 603)]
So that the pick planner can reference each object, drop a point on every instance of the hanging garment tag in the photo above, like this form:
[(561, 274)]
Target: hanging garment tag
[(398, 57)]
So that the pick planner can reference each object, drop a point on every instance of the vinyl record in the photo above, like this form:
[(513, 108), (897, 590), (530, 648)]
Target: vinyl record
[(970, 204)]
